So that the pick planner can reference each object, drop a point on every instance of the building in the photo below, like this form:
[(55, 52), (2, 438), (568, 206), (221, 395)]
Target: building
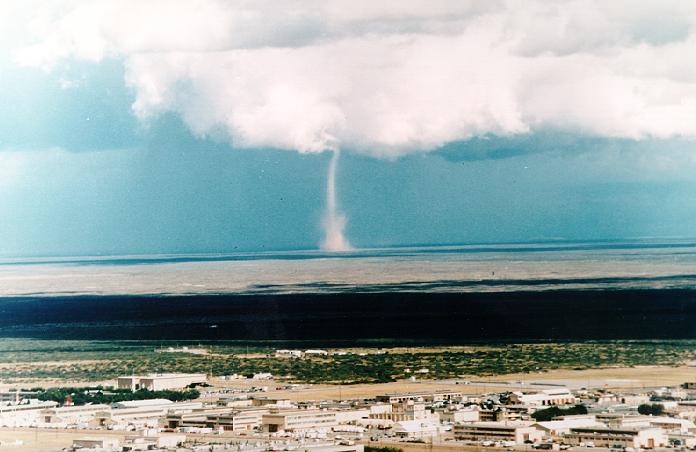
[(404, 411), (283, 353), (142, 403), (16, 396), (425, 396), (670, 424), (415, 429), (237, 420), (142, 414), (647, 438), (562, 427), (96, 443), (349, 416), (519, 432), (195, 418), (153, 442), (160, 382), (71, 414), (298, 420), (469, 414), (271, 401), (25, 413), (504, 413), (547, 397)]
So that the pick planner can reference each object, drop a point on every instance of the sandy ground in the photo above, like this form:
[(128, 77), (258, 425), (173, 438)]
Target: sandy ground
[(627, 378), (609, 377), (47, 440)]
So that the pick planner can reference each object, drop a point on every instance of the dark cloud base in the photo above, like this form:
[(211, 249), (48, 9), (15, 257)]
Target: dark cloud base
[(328, 318)]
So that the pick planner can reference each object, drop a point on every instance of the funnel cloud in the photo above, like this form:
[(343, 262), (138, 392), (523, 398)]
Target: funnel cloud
[(334, 220)]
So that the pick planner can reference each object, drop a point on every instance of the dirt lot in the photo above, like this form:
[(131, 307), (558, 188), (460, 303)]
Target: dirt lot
[(46, 440), (609, 378)]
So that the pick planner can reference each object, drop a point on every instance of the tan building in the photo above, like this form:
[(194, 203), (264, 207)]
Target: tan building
[(298, 420), (405, 411), (160, 382), (647, 438), (519, 432)]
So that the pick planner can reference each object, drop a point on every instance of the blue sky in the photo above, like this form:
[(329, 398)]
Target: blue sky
[(105, 155)]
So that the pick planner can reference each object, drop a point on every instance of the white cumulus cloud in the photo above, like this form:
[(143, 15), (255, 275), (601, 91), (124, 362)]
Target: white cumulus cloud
[(387, 78)]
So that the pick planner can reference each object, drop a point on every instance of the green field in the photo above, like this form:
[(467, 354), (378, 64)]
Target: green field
[(27, 360)]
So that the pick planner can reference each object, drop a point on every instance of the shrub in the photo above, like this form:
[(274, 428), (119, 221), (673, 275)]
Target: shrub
[(653, 409), (550, 413)]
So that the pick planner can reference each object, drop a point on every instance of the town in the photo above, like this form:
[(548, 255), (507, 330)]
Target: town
[(259, 412)]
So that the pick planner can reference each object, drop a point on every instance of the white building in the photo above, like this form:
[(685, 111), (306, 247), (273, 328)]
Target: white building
[(106, 443), (561, 427), (142, 415), (68, 415), (547, 397), (415, 429), (468, 414), (284, 353), (670, 424), (160, 382), (23, 414), (262, 376)]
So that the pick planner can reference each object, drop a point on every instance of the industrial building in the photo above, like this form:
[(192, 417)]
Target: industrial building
[(425, 396), (519, 432), (647, 438), (160, 382), (547, 397), (298, 420)]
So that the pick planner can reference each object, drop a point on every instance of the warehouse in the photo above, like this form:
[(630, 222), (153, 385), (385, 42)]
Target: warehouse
[(160, 382), (298, 420), (519, 432), (647, 438)]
